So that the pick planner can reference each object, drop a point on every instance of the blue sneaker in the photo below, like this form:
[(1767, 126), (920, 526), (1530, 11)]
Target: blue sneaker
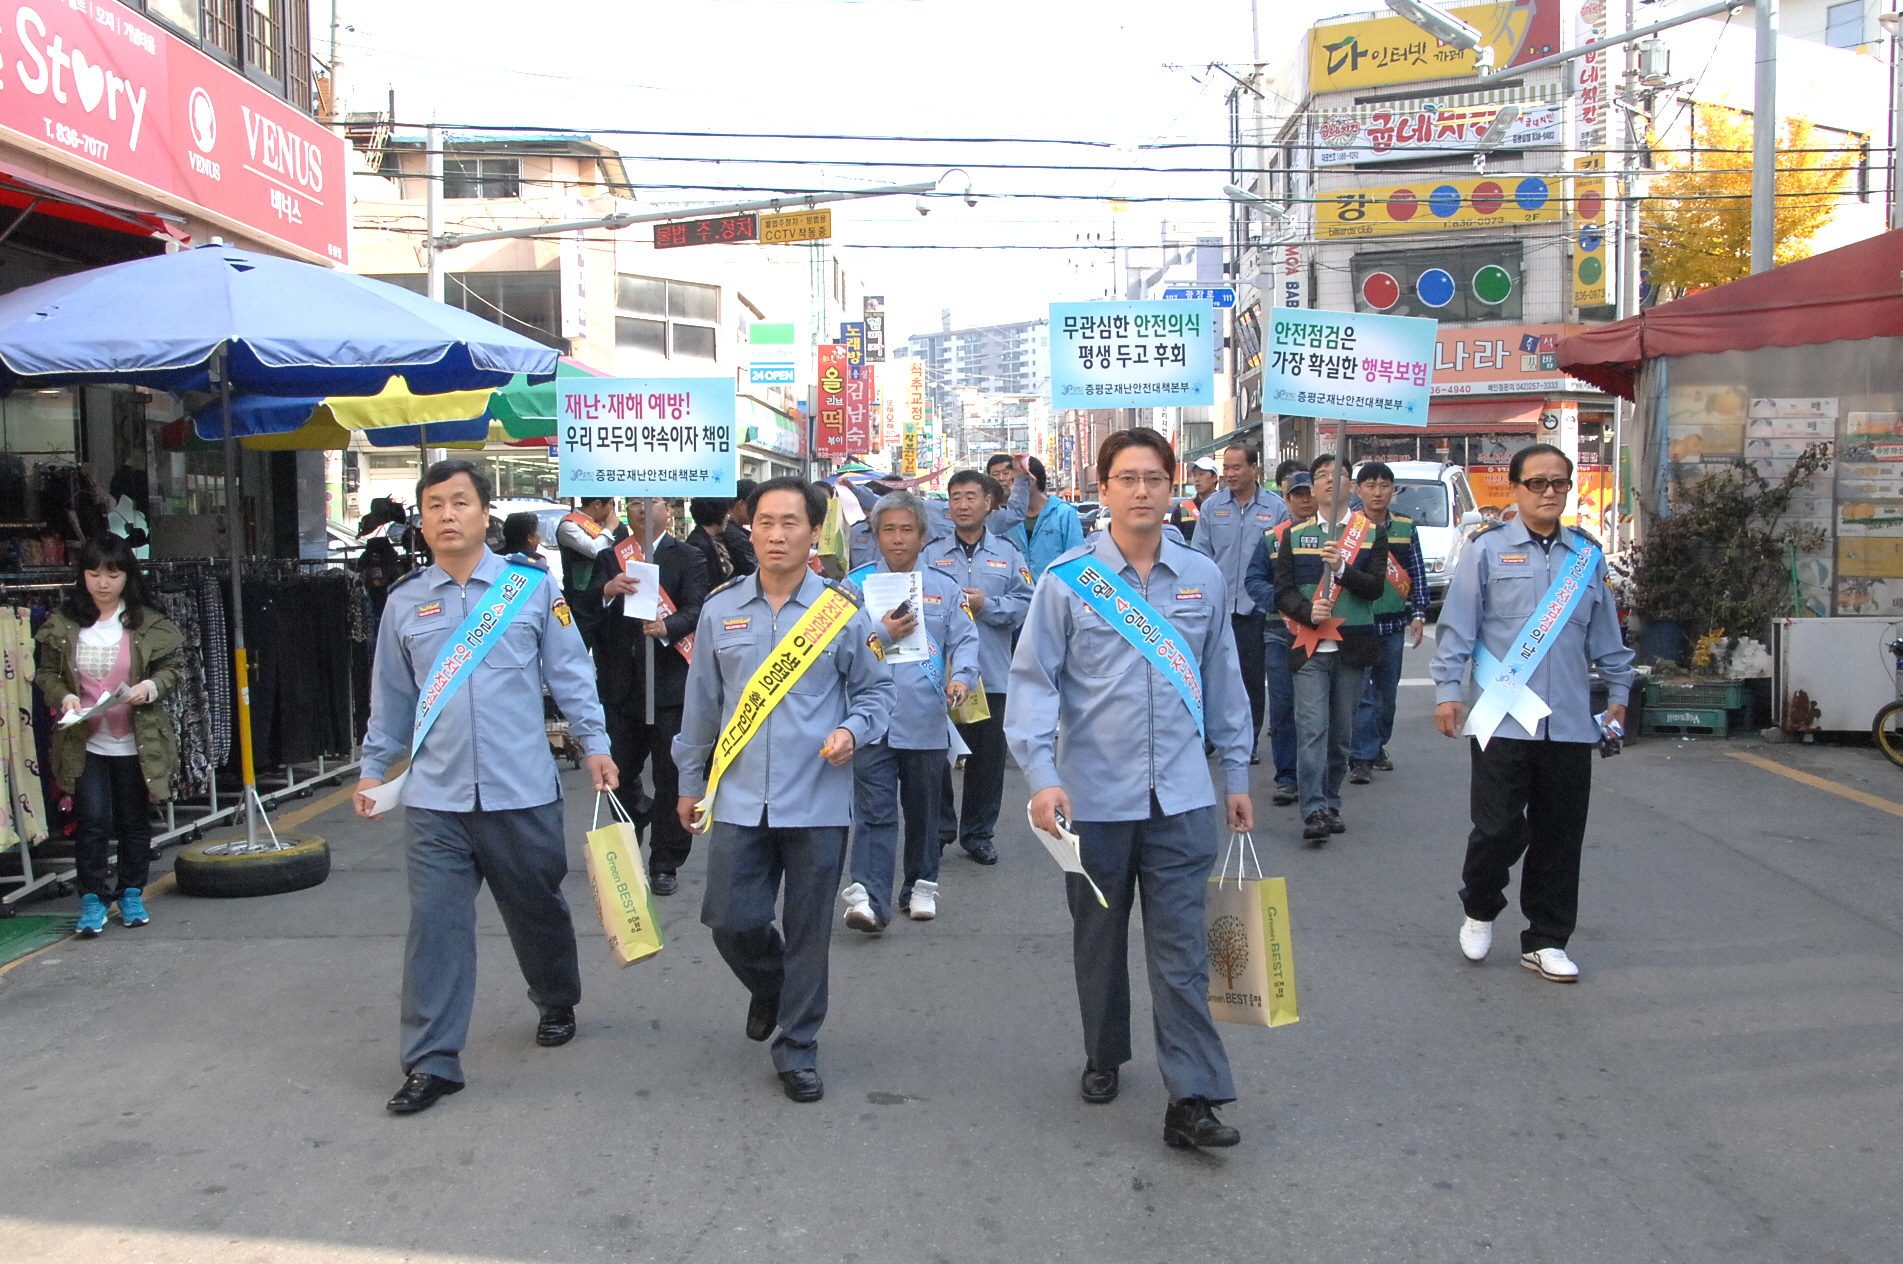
[(92, 916), (132, 908)]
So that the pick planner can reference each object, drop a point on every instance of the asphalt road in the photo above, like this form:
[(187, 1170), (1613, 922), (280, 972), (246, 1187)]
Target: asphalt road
[(1723, 1084)]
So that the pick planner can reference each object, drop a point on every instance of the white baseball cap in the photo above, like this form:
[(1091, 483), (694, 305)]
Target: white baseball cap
[(1206, 463)]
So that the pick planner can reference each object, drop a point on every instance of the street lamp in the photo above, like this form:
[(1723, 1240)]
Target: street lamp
[(1283, 226), (1439, 23)]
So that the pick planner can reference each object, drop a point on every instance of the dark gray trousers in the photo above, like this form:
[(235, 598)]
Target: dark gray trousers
[(745, 864), (521, 854), (1167, 858)]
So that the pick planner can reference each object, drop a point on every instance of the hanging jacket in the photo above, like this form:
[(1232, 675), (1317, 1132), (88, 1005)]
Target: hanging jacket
[(155, 645)]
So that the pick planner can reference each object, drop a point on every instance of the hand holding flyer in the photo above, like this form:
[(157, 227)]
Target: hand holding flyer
[(644, 602)]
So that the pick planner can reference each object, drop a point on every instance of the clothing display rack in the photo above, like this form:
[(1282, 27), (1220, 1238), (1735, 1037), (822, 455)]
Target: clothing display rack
[(309, 686), (26, 821)]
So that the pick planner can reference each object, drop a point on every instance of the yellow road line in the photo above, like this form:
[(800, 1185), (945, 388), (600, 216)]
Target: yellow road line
[(1821, 783)]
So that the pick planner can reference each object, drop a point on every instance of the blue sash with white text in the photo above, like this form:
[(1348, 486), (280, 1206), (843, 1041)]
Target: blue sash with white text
[(470, 643), (1503, 685), (1139, 623)]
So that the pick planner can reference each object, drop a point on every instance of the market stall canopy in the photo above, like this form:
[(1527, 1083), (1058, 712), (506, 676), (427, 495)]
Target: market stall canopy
[(526, 409), (1850, 293), (291, 329)]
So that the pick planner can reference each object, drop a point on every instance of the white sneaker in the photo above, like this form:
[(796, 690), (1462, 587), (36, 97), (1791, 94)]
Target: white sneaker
[(924, 901), (1552, 964), (1476, 939), (859, 913)]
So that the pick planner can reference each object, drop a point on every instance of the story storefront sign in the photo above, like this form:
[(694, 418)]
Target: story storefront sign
[(95, 84)]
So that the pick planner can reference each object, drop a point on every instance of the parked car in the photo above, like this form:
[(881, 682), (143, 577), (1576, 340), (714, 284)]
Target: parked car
[(1442, 506)]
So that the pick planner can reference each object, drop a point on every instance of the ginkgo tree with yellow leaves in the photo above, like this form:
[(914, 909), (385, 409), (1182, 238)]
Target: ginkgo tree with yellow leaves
[(1697, 222)]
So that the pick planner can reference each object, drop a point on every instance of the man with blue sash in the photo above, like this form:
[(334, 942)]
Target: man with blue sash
[(905, 769), (1126, 660), (463, 650), (1529, 607)]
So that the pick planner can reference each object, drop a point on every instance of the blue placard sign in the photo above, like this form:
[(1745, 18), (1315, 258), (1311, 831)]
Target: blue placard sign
[(1355, 366), (645, 436), (1154, 354)]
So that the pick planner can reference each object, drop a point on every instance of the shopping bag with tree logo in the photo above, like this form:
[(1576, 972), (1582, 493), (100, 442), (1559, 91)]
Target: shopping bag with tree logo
[(1251, 955), (621, 886)]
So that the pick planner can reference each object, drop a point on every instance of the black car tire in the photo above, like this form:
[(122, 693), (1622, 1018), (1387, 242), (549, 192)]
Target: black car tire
[(203, 871)]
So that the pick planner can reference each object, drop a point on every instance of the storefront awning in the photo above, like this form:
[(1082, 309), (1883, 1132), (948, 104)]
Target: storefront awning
[(1248, 434), (36, 194), (1844, 294), (1468, 416)]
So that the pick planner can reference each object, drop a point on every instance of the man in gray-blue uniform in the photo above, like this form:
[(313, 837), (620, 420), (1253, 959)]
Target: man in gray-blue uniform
[(481, 802), (997, 584), (781, 797), (1092, 714), (1531, 783), (906, 769), (1228, 528)]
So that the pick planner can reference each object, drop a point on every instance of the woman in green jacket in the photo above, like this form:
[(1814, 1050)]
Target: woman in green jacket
[(106, 636)]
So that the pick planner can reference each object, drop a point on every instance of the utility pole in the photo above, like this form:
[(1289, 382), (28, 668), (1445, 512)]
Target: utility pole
[(1764, 142), (336, 68), (433, 209), (1889, 23)]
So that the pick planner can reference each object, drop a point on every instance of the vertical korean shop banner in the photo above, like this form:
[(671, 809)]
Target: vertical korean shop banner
[(829, 426), (1352, 366), (645, 436), (1155, 354), (912, 418), (860, 392)]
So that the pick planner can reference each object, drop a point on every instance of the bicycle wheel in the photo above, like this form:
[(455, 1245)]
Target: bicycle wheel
[(1887, 728)]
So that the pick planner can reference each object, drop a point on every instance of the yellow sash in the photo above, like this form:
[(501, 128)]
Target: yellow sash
[(787, 663)]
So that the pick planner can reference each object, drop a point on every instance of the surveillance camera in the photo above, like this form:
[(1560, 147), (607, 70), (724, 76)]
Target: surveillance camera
[(924, 207), (971, 199)]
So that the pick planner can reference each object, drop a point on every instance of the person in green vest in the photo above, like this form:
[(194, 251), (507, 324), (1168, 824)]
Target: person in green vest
[(1327, 591), (1400, 619)]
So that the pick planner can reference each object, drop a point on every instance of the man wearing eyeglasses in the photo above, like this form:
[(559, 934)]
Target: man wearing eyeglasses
[(1125, 663), (1532, 593)]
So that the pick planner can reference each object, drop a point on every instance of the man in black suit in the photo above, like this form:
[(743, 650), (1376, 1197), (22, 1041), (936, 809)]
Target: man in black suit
[(621, 678), (726, 547)]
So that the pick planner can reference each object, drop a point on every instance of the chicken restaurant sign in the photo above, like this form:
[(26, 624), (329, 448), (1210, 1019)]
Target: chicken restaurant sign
[(97, 85)]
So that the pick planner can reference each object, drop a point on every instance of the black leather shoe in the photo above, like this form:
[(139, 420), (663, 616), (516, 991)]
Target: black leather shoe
[(1384, 764), (1192, 1123), (804, 1086), (984, 854), (664, 883), (420, 1092), (1315, 827), (1334, 823), (1097, 1086), (763, 1015), (556, 1029), (1284, 795), (1360, 772), (1255, 757)]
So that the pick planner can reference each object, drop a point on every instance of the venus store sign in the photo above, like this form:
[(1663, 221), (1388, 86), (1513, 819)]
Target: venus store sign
[(100, 84)]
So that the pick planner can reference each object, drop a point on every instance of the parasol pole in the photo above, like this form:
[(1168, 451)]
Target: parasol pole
[(1337, 496), (234, 530)]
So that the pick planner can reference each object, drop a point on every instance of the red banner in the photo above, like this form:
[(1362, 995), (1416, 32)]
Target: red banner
[(96, 84), (830, 428)]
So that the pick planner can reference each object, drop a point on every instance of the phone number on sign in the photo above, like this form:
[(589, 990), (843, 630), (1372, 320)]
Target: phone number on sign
[(682, 438)]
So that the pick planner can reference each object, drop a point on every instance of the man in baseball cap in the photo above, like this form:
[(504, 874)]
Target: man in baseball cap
[(1206, 474)]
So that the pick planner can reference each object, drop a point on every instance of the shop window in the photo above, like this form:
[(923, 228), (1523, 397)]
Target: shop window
[(675, 320), (220, 28), (182, 14), (482, 177), (1483, 282)]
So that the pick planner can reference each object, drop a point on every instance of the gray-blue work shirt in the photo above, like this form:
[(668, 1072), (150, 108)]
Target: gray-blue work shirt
[(918, 709), (1091, 714), (996, 569), (847, 686), (487, 747), (1501, 577), (1229, 530)]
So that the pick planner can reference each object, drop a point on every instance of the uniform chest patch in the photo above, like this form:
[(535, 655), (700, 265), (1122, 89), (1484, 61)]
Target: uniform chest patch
[(1513, 559), (425, 611), (1189, 594), (933, 599), (562, 613), (736, 625), (998, 562), (945, 561), (1219, 513)]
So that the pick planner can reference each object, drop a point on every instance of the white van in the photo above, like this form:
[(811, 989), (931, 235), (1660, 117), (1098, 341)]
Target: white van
[(1437, 498)]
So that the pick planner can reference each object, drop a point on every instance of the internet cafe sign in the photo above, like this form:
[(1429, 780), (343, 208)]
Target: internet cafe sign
[(97, 85)]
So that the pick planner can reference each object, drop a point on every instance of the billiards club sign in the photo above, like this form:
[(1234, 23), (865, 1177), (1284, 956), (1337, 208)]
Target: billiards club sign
[(94, 83)]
